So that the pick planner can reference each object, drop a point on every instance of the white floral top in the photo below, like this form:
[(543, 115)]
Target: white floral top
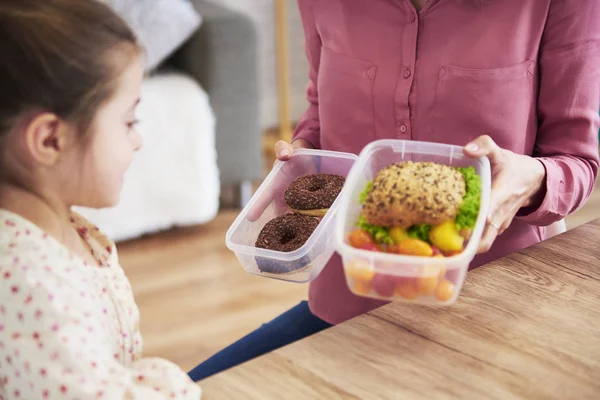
[(70, 330)]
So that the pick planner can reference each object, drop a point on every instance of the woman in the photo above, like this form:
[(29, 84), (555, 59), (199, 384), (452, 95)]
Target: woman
[(517, 81)]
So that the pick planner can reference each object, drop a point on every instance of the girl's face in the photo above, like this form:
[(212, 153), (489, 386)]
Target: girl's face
[(108, 152)]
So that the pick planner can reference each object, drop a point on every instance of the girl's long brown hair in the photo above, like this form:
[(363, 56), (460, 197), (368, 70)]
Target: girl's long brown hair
[(59, 56)]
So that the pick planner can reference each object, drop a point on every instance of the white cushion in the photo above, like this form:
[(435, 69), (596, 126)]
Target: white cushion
[(161, 26)]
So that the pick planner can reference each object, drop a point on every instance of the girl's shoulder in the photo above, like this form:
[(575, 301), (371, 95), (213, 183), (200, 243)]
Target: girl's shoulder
[(29, 257), (18, 234), (27, 249)]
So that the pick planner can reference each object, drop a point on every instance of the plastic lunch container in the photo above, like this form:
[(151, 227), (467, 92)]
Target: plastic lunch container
[(400, 277), (305, 263)]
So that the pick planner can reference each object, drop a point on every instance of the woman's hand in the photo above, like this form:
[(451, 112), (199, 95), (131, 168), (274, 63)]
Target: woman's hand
[(517, 182), (284, 150)]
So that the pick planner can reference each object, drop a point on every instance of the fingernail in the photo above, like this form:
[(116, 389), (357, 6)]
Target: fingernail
[(472, 147), (284, 153)]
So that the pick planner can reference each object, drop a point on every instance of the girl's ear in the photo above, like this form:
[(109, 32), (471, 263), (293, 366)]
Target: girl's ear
[(46, 138)]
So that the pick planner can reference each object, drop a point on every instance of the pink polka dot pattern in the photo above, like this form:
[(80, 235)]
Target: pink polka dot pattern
[(70, 329)]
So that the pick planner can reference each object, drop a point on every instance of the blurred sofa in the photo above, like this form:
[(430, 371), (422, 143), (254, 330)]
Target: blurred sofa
[(222, 56)]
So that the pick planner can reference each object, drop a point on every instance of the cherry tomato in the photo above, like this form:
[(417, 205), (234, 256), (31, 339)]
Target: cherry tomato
[(360, 270), (371, 247), (361, 288), (383, 285), (359, 238), (415, 247), (407, 288), (444, 291), (428, 281)]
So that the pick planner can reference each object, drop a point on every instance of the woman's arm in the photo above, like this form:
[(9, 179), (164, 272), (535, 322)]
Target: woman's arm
[(308, 127), (568, 105)]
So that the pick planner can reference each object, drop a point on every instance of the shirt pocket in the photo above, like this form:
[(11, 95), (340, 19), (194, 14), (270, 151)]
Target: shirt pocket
[(470, 102), (345, 86)]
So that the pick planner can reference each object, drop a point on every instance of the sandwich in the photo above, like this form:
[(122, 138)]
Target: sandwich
[(419, 208)]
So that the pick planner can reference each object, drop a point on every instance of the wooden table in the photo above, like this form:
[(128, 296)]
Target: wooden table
[(525, 327)]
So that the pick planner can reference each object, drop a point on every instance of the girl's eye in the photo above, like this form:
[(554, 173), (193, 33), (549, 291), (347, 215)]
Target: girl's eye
[(132, 124)]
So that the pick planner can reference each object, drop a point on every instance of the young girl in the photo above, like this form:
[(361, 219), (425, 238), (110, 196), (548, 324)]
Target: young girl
[(69, 327), (526, 73)]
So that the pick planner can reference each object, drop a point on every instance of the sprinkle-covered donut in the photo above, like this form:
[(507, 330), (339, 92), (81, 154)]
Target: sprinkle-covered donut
[(285, 233), (313, 194)]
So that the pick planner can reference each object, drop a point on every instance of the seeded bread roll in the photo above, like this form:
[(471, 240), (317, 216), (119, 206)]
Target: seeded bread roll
[(409, 193)]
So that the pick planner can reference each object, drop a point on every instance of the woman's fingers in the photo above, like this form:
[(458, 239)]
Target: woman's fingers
[(489, 236), (495, 226), (505, 226), (498, 222), (259, 207), (497, 195), (510, 215), (497, 217), (484, 146), (283, 150), (273, 197)]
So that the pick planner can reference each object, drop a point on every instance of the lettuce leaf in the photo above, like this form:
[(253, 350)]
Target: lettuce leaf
[(469, 209), (420, 231), (380, 234), (365, 193)]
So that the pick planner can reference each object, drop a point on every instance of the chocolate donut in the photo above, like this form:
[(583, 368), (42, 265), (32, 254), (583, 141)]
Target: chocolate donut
[(313, 194), (285, 233)]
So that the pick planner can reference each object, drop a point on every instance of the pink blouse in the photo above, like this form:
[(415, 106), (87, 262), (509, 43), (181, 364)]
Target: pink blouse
[(525, 72)]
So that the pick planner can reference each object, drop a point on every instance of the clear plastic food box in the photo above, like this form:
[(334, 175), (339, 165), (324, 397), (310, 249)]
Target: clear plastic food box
[(305, 263), (398, 277)]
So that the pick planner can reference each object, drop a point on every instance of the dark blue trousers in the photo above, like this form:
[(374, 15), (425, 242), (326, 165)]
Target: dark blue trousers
[(295, 324)]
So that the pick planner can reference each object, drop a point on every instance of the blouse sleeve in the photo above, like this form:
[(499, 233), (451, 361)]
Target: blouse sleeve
[(568, 106), (51, 348), (308, 127)]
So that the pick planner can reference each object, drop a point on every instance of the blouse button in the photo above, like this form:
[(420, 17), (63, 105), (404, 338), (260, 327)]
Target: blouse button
[(371, 72)]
